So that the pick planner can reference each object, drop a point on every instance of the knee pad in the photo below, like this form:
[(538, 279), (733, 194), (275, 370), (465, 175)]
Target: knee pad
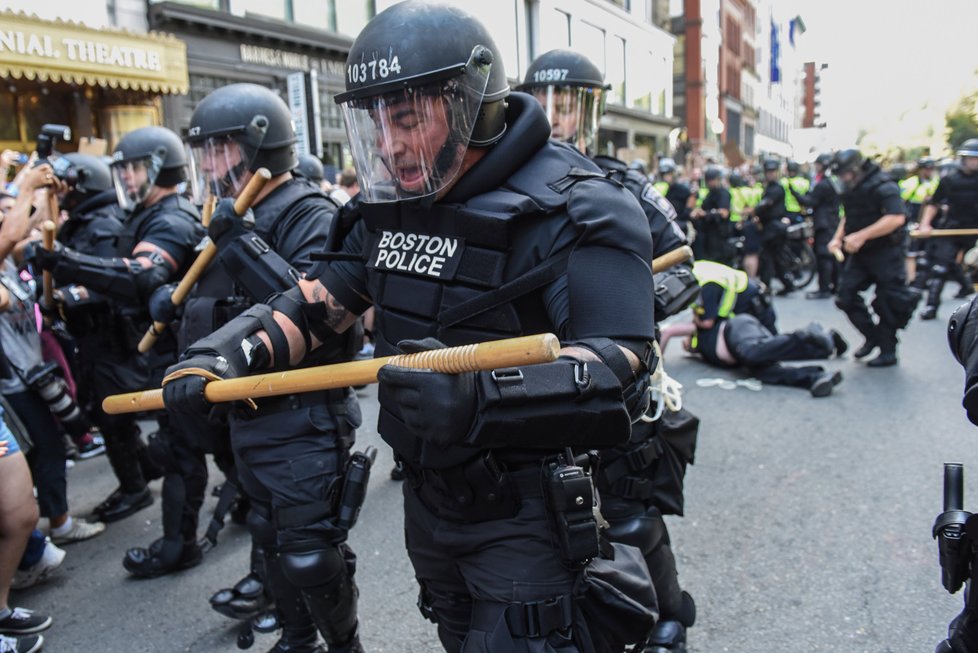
[(314, 567), (161, 453), (643, 531)]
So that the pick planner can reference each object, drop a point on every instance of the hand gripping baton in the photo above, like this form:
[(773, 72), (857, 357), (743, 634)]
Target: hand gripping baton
[(511, 352), (241, 205)]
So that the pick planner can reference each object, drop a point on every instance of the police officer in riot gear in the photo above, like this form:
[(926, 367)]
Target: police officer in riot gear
[(675, 191), (712, 217), (472, 226), (155, 246), (310, 169), (959, 191), (871, 234), (823, 200), (794, 183), (94, 222), (290, 453), (626, 480), (772, 214)]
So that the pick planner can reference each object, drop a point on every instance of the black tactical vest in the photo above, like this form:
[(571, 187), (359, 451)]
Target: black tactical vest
[(863, 205), (962, 199)]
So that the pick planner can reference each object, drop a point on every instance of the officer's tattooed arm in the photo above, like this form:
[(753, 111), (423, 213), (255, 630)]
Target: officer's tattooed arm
[(337, 319)]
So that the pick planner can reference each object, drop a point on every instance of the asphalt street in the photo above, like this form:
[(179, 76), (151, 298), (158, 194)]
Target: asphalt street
[(807, 528)]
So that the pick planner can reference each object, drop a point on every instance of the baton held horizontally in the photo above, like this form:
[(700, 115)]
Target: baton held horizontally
[(511, 352), (241, 205), (944, 233), (672, 258)]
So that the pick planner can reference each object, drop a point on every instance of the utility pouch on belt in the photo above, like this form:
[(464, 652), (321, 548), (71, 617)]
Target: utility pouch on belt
[(675, 290), (354, 488), (570, 500)]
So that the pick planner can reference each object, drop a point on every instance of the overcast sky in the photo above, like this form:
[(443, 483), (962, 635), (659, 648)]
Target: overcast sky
[(894, 65)]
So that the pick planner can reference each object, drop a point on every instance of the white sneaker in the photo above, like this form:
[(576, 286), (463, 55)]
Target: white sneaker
[(80, 530), (51, 559), (26, 644)]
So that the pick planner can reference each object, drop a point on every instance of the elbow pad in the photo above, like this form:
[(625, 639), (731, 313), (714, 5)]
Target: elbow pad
[(566, 403), (257, 268), (237, 343), (113, 276)]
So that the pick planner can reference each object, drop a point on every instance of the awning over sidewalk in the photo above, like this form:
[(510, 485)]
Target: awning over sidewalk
[(60, 51)]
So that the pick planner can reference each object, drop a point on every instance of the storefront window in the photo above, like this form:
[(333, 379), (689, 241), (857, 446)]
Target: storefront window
[(40, 109), (312, 13), (8, 117), (120, 120)]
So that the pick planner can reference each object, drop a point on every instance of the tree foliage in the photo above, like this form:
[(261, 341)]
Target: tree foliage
[(962, 120)]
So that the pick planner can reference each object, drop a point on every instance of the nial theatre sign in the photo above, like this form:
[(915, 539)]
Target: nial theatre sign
[(32, 48)]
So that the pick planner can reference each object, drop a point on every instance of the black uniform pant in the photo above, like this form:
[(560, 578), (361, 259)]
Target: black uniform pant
[(180, 451), (882, 265), (942, 258), (762, 352), (290, 461), (774, 236), (473, 574), (828, 267), (114, 372)]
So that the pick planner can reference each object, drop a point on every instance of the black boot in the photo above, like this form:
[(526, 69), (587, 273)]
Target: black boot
[(885, 359), (934, 288), (866, 349), (120, 505), (929, 312), (162, 557)]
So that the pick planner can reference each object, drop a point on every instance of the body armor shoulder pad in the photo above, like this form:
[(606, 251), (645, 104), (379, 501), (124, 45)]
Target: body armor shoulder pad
[(549, 175), (279, 203)]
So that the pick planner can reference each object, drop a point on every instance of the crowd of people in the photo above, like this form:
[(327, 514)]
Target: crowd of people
[(473, 212)]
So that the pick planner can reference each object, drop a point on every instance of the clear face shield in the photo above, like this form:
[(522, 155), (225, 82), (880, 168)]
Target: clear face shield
[(219, 167), (409, 143), (573, 112), (134, 179)]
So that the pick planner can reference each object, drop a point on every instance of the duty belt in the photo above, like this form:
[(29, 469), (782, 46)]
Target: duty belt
[(475, 491)]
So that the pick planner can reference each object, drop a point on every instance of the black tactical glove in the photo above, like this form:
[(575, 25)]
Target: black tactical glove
[(183, 385), (226, 225), (40, 258), (161, 308), (438, 408)]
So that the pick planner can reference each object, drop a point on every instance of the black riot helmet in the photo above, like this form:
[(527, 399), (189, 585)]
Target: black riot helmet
[(926, 163), (640, 166), (667, 166), (846, 160), (235, 130), (310, 167), (968, 148), (737, 180), (424, 82), (84, 176), (793, 168), (824, 160), (147, 157), (712, 173), (771, 165), (572, 91)]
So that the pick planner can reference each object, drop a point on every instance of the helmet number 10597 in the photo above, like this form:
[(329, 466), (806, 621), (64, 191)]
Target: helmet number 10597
[(369, 71), (550, 75)]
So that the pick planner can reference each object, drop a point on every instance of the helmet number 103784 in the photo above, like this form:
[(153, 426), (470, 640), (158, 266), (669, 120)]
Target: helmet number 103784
[(369, 71)]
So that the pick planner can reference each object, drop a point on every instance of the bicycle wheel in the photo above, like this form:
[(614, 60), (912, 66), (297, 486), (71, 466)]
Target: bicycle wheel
[(799, 262)]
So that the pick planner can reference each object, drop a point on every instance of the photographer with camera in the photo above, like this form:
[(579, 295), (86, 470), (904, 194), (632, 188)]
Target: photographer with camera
[(27, 383)]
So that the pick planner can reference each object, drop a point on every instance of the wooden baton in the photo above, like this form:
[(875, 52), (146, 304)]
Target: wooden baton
[(938, 233), (47, 280), (241, 204), (672, 258), (511, 352)]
